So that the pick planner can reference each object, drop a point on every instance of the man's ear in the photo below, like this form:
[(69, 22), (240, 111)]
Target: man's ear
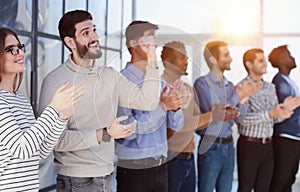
[(168, 59), (70, 42), (133, 43), (213, 60), (248, 65)]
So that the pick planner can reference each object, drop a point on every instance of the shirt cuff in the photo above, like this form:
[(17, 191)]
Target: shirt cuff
[(235, 99), (52, 110), (151, 72)]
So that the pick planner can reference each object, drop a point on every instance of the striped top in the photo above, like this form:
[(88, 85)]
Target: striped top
[(23, 140)]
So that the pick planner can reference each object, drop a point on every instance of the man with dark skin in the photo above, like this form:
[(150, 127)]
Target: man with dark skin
[(286, 139), (255, 126), (181, 167)]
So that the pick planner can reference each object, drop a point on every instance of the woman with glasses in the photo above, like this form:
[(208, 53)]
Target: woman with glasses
[(23, 140)]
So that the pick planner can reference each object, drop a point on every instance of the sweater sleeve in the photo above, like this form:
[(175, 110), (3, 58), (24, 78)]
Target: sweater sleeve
[(143, 98), (19, 143), (74, 140)]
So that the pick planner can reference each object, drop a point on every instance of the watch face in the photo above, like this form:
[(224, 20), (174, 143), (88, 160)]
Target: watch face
[(105, 136)]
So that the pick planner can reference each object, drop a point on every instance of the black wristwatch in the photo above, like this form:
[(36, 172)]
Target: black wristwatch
[(105, 136)]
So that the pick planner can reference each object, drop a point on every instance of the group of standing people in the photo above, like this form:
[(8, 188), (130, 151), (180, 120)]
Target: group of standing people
[(89, 113), (268, 118)]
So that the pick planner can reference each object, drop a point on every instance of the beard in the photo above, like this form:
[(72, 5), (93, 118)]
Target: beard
[(84, 52)]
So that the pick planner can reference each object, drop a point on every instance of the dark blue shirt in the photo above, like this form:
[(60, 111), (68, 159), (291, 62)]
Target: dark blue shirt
[(286, 87)]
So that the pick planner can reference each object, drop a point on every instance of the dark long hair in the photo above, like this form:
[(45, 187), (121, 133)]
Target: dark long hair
[(4, 32)]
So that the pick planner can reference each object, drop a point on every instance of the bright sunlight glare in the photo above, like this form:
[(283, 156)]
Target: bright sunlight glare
[(238, 18)]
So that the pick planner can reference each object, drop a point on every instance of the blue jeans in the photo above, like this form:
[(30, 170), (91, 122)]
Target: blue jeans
[(84, 184), (215, 168), (181, 175)]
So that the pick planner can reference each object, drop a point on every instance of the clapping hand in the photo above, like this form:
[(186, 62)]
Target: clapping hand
[(223, 112), (65, 99), (117, 130), (279, 111), (184, 93), (291, 103), (171, 100), (247, 89)]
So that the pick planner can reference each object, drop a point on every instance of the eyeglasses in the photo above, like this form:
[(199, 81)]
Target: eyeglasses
[(15, 50)]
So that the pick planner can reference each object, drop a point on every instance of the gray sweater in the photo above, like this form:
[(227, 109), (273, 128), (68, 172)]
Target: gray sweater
[(78, 152)]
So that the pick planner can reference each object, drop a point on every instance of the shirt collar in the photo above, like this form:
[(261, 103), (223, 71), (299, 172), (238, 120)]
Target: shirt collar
[(254, 80), (135, 71), (95, 70), (214, 78), (282, 74)]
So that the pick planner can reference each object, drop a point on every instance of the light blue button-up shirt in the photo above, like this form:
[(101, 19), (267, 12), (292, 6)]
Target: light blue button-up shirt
[(150, 136), (209, 89)]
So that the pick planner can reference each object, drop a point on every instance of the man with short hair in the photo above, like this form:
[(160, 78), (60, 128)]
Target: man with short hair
[(255, 126), (84, 154), (216, 150), (286, 138), (141, 157), (181, 164)]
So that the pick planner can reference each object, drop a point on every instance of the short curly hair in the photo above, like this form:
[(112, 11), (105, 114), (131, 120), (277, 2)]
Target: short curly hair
[(276, 54), (170, 47)]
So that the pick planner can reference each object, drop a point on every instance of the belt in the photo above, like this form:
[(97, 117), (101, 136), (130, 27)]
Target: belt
[(217, 139), (256, 140), (146, 162), (184, 155)]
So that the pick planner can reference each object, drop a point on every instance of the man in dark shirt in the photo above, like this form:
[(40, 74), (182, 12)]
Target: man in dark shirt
[(286, 142)]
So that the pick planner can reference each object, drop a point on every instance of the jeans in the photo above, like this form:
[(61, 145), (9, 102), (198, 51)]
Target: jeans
[(215, 168), (84, 184), (181, 175)]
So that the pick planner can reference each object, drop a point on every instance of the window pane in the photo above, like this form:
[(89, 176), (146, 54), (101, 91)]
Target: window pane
[(127, 18), (194, 16), (281, 16), (114, 24), (25, 86), (16, 14), (114, 16), (113, 40), (75, 4), (49, 57), (113, 59), (49, 15), (97, 9)]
